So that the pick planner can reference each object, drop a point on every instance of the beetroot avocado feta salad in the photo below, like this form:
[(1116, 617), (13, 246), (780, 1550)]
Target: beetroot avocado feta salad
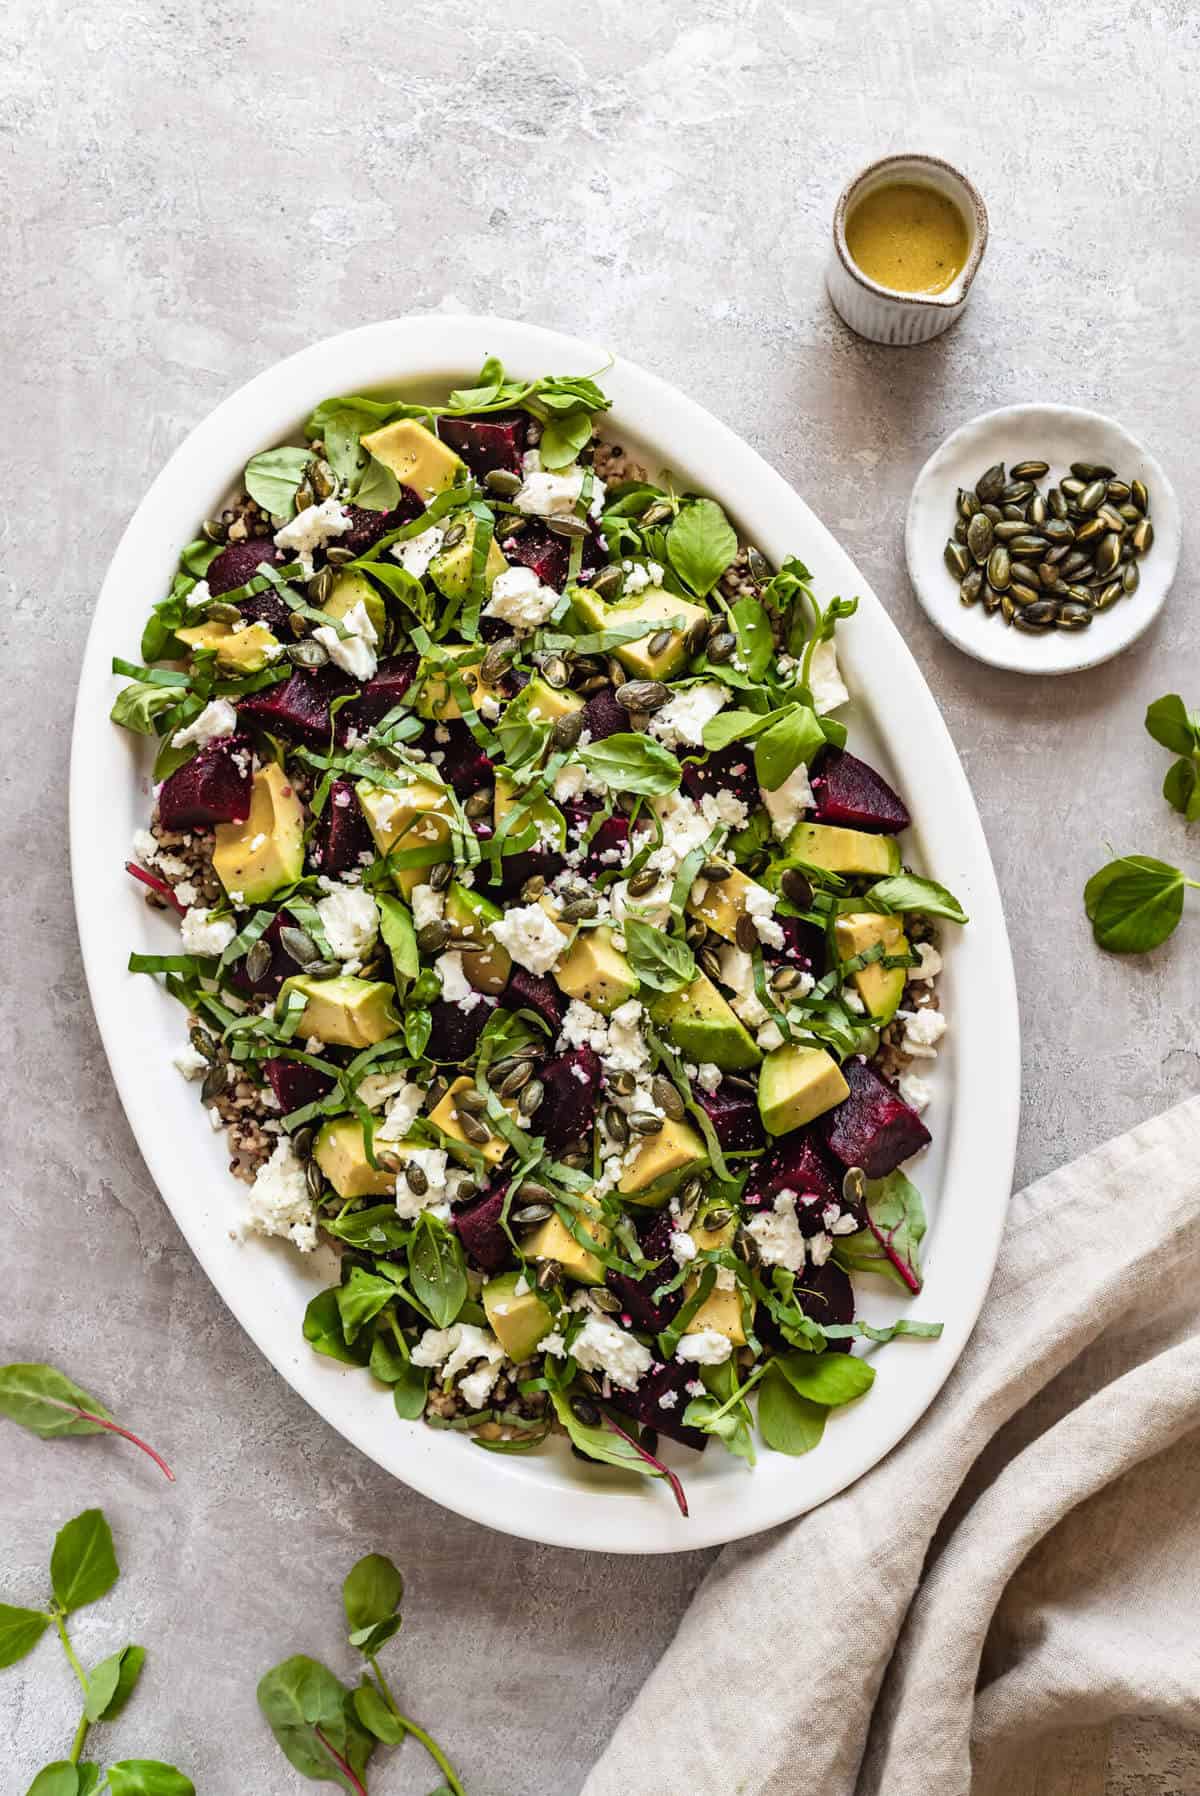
[(543, 947)]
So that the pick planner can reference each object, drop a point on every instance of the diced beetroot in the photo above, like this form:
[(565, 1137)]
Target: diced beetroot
[(295, 1084), (873, 1128), (854, 796), (213, 787), (804, 946), (729, 769), (268, 608), (515, 869), (548, 555), (637, 1294), (479, 1230), (795, 1164), (568, 1110), (456, 1029), (282, 965), (298, 708), (734, 1117), (529, 991), (464, 766), (342, 836), (382, 693), (239, 563), (494, 441), (826, 1295), (645, 1404), (607, 847), (368, 526), (603, 716)]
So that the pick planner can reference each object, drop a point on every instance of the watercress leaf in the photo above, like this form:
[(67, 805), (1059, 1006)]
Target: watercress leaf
[(1169, 722), (372, 1591), (83, 1564), (418, 1025), (378, 490), (399, 936), (630, 763), (1134, 903), (794, 739), (128, 1669), (360, 1299), (437, 1269), (738, 725), (376, 1717), (89, 1777), (756, 645), (272, 479), (20, 1631), (788, 1422), (663, 962), (409, 1392), (701, 544), (1179, 786), (324, 1333), (830, 1379), (906, 891), (377, 1227), (148, 1777), (44, 1400), (343, 451), (563, 436), (59, 1779), (890, 1244), (298, 1697), (137, 705)]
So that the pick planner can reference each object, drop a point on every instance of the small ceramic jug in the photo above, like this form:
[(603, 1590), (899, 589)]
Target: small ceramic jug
[(882, 314)]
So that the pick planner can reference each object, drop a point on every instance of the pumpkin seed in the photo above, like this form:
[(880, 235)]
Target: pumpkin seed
[(1109, 516), (322, 969), (1072, 616), (531, 1214), (299, 946), (302, 1143), (314, 1179), (608, 583), (667, 1098), (1016, 492), (215, 1081), (605, 1300), (990, 484), (1128, 514), (1030, 470), (1138, 496), (441, 875), (1090, 531), (1014, 514), (1091, 471), (993, 512), (1107, 556), (624, 1084), (1027, 544), (968, 504), (970, 588), (1009, 529), (1007, 608), (454, 536), (495, 663), (416, 1178), (745, 934), (585, 1412), (644, 1122), (503, 481), (320, 587), (710, 962), (1048, 575), (432, 937), (980, 533), (785, 979), (715, 872), (796, 888), (643, 695), (1056, 499), (479, 804), (471, 1102), (213, 530), (475, 1129), (1130, 578), (307, 654), (854, 1186), (615, 1125), (759, 567), (1105, 596), (1020, 594), (699, 634), (1092, 494), (224, 614), (337, 556), (1058, 530), (549, 1275), (991, 598), (643, 882), (1041, 616), (1143, 537), (567, 730), (718, 1219), (565, 523), (659, 643), (723, 646), (657, 512), (531, 1097), (958, 558), (694, 931), (999, 568), (578, 909), (555, 672), (258, 961)]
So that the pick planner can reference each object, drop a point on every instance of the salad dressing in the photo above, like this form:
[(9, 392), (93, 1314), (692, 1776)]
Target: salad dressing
[(908, 237)]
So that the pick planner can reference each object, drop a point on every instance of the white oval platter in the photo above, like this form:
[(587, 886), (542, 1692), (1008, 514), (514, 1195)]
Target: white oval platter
[(548, 1495)]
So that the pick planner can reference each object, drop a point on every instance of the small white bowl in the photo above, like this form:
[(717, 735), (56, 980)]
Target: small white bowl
[(1058, 434)]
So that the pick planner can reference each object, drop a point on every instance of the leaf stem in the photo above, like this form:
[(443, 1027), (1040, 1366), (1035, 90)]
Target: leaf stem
[(81, 1734), (343, 1767), (677, 1490), (427, 1741), (116, 1428), (76, 1667)]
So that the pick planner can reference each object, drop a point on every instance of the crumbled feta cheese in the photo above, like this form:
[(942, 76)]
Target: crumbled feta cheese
[(708, 1075), (350, 919), (931, 965), (312, 528), (416, 554), (456, 987), (922, 1029), (543, 494), (639, 577), (681, 721), (626, 1050), (737, 972), (704, 1348), (428, 906), (724, 807), (770, 1036), (186, 892), (601, 1346), (533, 940), (460, 1346), (199, 595), (202, 933), (819, 1248), (825, 679), (553, 1343), (915, 1090), (683, 1248), (279, 1200), (668, 1400), (519, 597), (788, 803), (217, 719), (852, 1001), (190, 1062), (403, 1108), (433, 1162), (760, 908), (353, 652), (777, 1234), (583, 1027), (145, 847)]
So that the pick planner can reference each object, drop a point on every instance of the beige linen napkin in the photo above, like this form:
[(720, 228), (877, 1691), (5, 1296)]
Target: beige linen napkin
[(1027, 1560)]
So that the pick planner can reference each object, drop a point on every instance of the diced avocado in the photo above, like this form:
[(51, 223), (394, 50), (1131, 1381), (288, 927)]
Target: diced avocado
[(257, 857), (593, 970), (553, 1240), (723, 901), (415, 457), (700, 1023), (471, 914), (661, 1164), (412, 818), (844, 850), (542, 813), (795, 1085), (650, 607), (348, 1012), (880, 988), (351, 589), (518, 1319), (721, 1310), (444, 1117), (434, 697), (543, 703), (239, 651), (341, 1153), (450, 570)]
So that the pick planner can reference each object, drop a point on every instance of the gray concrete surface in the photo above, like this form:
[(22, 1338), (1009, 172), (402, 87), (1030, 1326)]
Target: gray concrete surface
[(192, 192)]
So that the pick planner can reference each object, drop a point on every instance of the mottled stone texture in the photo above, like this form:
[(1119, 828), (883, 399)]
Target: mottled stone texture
[(191, 192)]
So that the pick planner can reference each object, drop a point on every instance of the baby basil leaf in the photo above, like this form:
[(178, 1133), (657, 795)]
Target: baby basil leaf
[(830, 1379), (20, 1631), (890, 1243), (396, 927), (1170, 722), (788, 1422), (83, 1564), (563, 437), (323, 1330), (663, 962), (907, 892), (1134, 903), (272, 479), (59, 1779), (793, 740), (148, 1777), (378, 490), (756, 645), (360, 1299), (409, 1392), (343, 451), (701, 544), (136, 706), (737, 725), (113, 1682), (630, 763), (298, 1697), (437, 1269), (375, 1715), (418, 1025), (371, 1596)]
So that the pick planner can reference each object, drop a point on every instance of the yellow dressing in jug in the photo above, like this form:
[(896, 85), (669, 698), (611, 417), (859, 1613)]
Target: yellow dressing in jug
[(908, 237)]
